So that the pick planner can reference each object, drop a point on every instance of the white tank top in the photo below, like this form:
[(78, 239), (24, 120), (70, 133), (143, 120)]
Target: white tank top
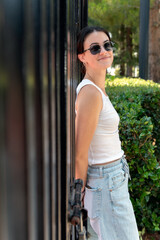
[(105, 145)]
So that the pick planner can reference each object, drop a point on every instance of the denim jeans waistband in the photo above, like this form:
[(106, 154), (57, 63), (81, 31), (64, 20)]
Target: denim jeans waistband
[(100, 170)]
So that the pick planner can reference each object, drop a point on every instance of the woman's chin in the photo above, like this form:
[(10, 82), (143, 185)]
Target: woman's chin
[(105, 66), (105, 63)]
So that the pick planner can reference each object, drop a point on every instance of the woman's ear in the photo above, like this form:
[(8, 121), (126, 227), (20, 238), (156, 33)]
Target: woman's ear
[(81, 57)]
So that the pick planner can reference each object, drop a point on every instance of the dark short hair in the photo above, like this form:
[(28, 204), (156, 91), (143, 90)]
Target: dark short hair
[(84, 33)]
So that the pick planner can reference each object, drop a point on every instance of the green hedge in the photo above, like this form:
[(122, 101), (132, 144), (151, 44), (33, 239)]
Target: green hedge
[(138, 103)]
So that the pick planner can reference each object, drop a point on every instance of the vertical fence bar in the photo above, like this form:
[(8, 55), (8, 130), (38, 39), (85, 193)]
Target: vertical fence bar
[(30, 102), (13, 175), (84, 12), (58, 117), (63, 113), (144, 38), (49, 26)]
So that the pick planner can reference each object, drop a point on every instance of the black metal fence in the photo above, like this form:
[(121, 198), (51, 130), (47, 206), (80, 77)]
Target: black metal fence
[(38, 76)]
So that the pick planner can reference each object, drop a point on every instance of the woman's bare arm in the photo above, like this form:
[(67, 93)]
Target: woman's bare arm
[(88, 105)]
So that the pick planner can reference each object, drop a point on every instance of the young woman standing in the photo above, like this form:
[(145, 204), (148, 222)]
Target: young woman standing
[(100, 161)]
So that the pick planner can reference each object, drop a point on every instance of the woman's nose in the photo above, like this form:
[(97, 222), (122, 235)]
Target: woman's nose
[(103, 50)]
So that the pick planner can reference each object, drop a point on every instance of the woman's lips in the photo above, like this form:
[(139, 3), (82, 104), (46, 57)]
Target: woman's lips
[(103, 58)]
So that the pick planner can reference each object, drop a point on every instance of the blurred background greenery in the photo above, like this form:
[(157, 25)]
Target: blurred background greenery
[(121, 18)]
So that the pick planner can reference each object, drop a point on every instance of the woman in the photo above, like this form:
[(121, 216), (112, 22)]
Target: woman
[(100, 161)]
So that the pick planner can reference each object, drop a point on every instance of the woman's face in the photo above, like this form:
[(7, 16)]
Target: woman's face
[(99, 61)]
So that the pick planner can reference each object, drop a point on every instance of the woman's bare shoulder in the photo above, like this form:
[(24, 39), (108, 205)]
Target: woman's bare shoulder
[(89, 96), (89, 91)]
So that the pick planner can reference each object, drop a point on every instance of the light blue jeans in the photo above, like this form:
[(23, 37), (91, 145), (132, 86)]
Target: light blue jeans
[(108, 203)]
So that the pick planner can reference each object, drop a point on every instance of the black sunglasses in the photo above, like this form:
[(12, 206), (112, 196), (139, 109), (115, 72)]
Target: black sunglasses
[(95, 49)]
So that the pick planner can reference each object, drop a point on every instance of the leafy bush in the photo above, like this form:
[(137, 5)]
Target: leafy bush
[(138, 103)]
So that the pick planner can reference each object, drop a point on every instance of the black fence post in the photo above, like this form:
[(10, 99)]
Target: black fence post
[(84, 11), (144, 36)]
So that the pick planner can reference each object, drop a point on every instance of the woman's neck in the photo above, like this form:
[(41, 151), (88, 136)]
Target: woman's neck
[(97, 77)]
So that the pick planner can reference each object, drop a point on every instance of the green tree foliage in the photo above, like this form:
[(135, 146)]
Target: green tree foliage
[(121, 19)]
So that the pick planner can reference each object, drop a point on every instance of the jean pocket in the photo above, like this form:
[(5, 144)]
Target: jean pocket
[(92, 201), (118, 180), (119, 186)]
